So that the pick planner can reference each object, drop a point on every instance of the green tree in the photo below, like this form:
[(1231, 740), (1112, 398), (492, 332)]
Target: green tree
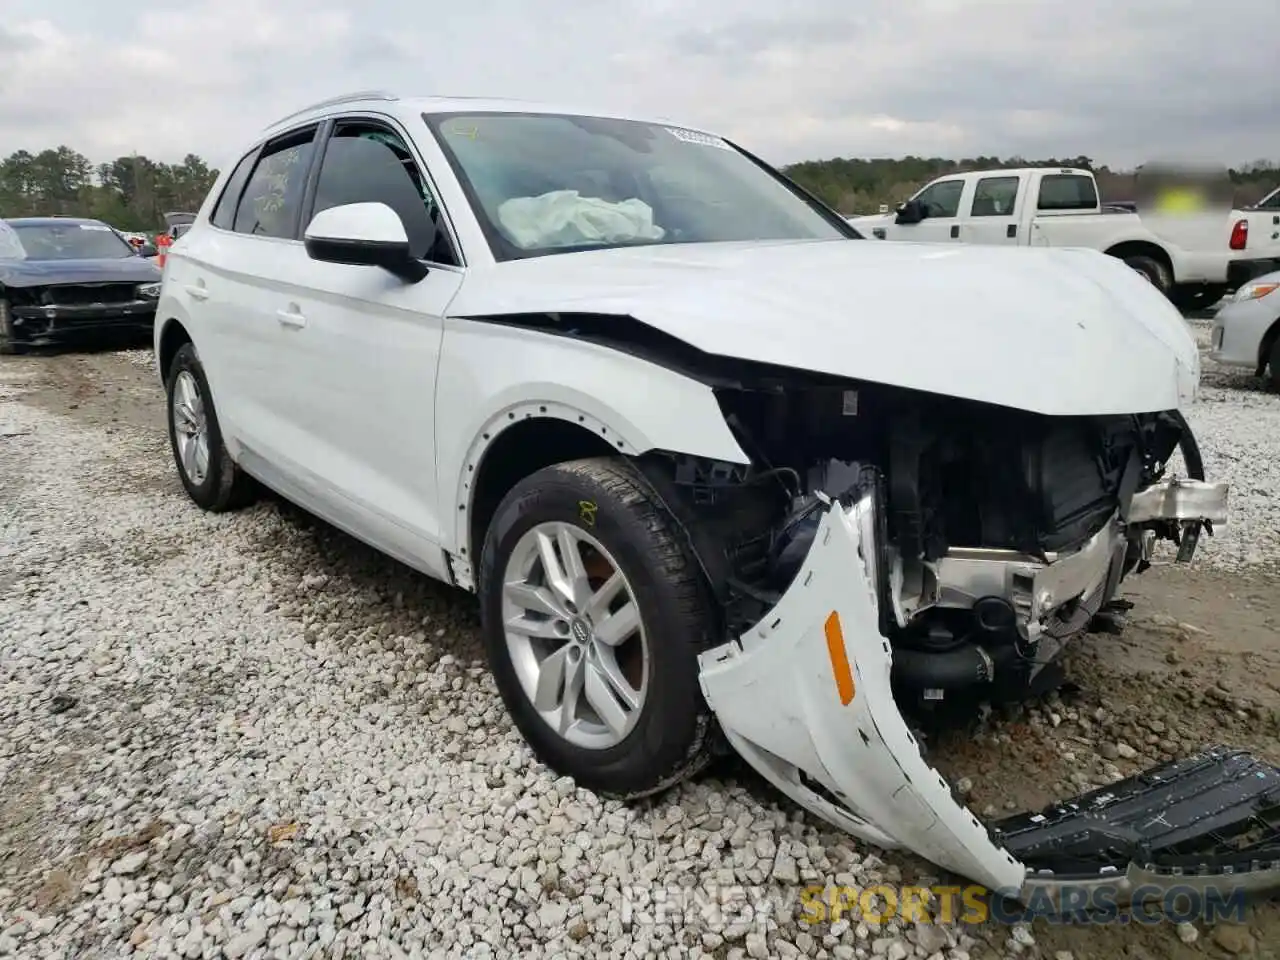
[(131, 193)]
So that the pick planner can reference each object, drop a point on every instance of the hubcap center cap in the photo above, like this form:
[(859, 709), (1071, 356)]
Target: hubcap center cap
[(579, 630)]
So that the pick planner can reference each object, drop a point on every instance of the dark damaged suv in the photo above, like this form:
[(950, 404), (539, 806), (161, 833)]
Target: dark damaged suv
[(64, 276)]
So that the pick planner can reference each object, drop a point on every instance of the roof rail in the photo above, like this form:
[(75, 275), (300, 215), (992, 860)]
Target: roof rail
[(334, 101)]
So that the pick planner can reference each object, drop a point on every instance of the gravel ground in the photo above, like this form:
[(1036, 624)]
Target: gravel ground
[(249, 736), (1237, 423)]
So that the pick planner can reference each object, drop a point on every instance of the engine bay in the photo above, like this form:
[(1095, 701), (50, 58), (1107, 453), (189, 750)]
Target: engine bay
[(975, 502)]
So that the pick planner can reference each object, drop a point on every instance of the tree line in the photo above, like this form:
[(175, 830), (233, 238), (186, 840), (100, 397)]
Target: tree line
[(134, 192), (130, 193)]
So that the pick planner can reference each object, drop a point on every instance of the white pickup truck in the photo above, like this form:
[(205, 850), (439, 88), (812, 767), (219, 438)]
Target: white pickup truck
[(1194, 260)]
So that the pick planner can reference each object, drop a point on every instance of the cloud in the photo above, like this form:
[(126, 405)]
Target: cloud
[(1120, 83)]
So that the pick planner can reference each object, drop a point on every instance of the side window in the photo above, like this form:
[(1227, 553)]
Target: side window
[(272, 197), (942, 199), (366, 163), (224, 212), (1067, 191), (1270, 203), (995, 197)]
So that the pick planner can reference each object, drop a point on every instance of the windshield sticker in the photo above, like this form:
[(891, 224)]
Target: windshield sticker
[(469, 132), (694, 136), (93, 226)]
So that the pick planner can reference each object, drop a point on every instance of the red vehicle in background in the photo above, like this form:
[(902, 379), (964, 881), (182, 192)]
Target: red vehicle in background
[(176, 225)]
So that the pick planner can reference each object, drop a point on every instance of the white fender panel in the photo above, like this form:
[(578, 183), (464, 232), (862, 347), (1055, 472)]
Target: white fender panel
[(493, 376), (780, 696)]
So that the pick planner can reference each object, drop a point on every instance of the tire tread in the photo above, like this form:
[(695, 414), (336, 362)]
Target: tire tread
[(233, 488), (682, 572), (679, 571)]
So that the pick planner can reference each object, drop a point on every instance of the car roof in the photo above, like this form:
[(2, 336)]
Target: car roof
[(381, 102)]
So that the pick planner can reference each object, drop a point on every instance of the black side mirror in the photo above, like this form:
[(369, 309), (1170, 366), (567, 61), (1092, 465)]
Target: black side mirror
[(912, 211), (147, 250)]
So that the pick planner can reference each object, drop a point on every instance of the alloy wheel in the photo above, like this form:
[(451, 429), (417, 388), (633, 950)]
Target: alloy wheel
[(191, 428), (575, 635)]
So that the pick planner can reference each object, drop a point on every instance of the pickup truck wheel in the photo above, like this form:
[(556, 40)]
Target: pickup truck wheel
[(8, 340), (1155, 271), (209, 475), (593, 615)]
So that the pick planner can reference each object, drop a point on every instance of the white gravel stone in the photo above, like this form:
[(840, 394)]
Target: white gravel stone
[(130, 864)]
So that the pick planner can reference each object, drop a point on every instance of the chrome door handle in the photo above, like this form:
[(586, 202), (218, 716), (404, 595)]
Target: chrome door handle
[(291, 318)]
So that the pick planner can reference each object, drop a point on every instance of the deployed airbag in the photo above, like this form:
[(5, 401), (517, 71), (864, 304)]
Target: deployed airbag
[(565, 218)]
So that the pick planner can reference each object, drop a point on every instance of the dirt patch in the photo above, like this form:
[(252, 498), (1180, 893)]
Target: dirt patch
[(1197, 664), (99, 389)]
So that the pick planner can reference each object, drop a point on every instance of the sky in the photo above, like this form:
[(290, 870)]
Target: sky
[(1121, 81)]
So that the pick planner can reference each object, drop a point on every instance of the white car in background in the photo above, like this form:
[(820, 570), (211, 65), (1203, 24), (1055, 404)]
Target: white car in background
[(1246, 329), (721, 473)]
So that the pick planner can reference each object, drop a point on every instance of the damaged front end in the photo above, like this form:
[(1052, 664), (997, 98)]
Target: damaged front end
[(892, 551), (42, 314)]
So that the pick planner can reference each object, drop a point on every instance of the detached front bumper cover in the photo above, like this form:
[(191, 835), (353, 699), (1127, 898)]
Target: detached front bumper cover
[(805, 698)]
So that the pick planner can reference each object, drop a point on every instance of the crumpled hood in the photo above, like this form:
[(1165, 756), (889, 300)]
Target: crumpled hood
[(1054, 331), (35, 273)]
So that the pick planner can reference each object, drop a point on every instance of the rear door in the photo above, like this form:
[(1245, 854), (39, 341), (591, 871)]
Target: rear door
[(237, 272), (993, 209), (1063, 194)]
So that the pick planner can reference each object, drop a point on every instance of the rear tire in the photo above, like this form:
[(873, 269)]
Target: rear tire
[(209, 475), (1155, 272), (8, 340), (588, 505)]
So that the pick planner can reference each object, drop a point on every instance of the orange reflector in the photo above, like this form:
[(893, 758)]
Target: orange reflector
[(839, 658)]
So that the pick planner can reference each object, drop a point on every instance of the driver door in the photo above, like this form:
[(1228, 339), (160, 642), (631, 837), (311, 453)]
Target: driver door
[(362, 347), (941, 203)]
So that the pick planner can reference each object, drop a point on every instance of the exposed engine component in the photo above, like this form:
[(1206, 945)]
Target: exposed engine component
[(1004, 531)]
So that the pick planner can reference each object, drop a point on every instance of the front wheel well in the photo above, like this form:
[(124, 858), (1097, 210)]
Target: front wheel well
[(518, 451), (1265, 347), (171, 341)]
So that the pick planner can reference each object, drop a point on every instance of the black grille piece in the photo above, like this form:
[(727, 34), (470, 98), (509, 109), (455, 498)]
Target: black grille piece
[(1215, 812), (86, 294)]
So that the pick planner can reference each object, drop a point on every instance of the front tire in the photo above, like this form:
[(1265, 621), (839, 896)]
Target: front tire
[(209, 475), (1273, 364), (594, 612)]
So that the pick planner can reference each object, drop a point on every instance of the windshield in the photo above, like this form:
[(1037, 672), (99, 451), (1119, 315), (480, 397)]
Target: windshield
[(68, 241), (546, 183)]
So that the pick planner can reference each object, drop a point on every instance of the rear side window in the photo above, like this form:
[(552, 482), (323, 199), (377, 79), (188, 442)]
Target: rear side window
[(224, 213), (1067, 191), (272, 198)]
